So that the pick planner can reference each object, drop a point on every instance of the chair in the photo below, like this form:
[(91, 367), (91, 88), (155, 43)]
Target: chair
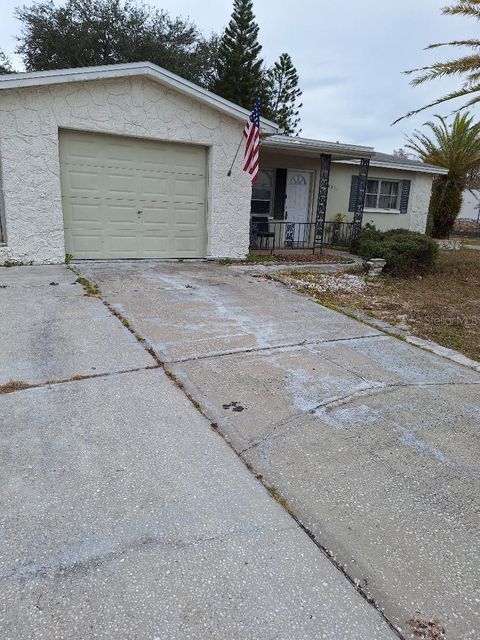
[(260, 231)]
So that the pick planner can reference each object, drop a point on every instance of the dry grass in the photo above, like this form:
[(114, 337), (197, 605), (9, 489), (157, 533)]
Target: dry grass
[(325, 257), (443, 306)]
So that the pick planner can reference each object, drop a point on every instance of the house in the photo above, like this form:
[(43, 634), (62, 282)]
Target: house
[(120, 161), (470, 205), (294, 171), (131, 161)]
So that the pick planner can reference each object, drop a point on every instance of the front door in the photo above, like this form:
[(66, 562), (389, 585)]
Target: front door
[(296, 206)]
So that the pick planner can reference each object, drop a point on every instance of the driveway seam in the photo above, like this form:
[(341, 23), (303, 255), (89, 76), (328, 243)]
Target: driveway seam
[(23, 386), (302, 343)]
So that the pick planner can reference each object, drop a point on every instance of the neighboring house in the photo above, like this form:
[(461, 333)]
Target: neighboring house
[(470, 206), (397, 190), (131, 161)]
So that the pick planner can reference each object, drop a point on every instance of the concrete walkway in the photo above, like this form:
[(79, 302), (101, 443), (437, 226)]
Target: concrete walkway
[(370, 442), (123, 513)]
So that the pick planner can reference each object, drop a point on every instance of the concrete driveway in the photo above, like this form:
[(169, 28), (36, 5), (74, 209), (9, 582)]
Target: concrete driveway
[(124, 515), (371, 443)]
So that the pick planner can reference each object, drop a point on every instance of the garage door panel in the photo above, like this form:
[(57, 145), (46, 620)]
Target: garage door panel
[(106, 180), (83, 182)]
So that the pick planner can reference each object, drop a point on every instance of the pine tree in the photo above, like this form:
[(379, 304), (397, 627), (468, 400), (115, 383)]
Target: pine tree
[(239, 67), (282, 93), (5, 66)]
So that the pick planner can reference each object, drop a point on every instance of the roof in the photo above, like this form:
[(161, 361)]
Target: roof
[(308, 146), (135, 69), (387, 161)]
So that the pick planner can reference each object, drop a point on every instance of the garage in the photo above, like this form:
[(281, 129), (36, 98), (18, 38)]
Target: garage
[(126, 197), (120, 161)]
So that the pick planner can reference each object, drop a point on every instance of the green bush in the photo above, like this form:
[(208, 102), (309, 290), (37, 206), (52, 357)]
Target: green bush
[(407, 253)]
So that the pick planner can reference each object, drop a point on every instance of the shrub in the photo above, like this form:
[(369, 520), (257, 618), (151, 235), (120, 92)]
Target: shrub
[(407, 252)]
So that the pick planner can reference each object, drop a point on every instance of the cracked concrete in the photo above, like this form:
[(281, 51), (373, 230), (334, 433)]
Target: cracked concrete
[(371, 442), (124, 514)]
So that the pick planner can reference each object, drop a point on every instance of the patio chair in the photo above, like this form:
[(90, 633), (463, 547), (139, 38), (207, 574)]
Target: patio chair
[(261, 233)]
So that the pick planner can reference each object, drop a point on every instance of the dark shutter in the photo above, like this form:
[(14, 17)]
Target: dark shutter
[(405, 195), (352, 204), (280, 194)]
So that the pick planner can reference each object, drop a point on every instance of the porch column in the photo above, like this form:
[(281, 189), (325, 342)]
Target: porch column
[(325, 162), (360, 201)]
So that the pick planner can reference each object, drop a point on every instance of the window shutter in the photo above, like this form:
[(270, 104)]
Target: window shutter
[(405, 195), (280, 194), (352, 205)]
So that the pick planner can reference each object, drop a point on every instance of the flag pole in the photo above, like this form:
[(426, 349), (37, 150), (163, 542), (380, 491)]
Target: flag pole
[(235, 156)]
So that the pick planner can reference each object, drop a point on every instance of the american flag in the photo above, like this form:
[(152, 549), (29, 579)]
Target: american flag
[(252, 136)]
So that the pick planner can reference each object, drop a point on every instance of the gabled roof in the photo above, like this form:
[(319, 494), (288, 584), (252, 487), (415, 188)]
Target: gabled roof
[(135, 69), (387, 161)]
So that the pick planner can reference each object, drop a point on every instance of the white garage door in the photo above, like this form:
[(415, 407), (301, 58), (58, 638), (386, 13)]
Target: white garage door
[(129, 198)]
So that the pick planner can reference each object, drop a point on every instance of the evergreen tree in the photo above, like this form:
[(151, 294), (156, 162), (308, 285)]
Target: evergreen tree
[(82, 33), (5, 66), (282, 94), (239, 67)]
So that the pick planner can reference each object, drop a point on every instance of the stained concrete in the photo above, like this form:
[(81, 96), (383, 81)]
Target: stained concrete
[(49, 330), (195, 310), (124, 515), (372, 442)]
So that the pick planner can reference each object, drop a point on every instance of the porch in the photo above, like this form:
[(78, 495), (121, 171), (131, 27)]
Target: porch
[(290, 195)]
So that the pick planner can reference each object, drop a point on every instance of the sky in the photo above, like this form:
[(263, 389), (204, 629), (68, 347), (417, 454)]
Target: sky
[(349, 56)]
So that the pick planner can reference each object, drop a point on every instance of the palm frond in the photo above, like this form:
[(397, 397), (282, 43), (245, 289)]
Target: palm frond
[(467, 8), (464, 91), (460, 66), (455, 43)]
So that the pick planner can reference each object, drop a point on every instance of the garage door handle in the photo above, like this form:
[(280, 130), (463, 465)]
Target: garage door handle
[(139, 212)]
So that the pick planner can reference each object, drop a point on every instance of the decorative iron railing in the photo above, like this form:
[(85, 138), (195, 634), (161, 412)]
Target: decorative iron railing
[(283, 235)]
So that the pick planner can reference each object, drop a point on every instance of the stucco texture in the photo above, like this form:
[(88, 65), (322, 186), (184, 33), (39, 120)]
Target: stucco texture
[(30, 119), (339, 192)]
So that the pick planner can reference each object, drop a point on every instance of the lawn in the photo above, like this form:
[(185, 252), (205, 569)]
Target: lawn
[(443, 306)]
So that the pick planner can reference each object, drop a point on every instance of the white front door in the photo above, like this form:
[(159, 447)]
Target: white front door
[(298, 196)]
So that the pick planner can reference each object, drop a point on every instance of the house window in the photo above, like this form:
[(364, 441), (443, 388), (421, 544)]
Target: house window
[(262, 192), (382, 194)]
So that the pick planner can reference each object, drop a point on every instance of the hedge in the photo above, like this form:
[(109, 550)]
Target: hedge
[(407, 253)]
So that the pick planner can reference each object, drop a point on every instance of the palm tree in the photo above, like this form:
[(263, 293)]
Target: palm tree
[(455, 147), (467, 66)]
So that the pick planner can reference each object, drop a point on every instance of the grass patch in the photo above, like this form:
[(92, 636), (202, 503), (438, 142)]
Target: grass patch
[(91, 289), (442, 306)]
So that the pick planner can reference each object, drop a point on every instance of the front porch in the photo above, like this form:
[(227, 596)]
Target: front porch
[(290, 195)]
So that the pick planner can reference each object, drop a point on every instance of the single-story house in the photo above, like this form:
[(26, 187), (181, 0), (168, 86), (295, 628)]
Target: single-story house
[(397, 190), (131, 161)]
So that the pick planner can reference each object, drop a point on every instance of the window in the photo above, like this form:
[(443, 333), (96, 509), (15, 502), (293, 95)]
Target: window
[(382, 194), (262, 192)]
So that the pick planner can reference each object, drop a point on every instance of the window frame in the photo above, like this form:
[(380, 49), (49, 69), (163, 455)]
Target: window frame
[(379, 195), (272, 172)]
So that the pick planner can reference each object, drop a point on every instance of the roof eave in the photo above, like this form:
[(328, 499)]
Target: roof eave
[(402, 167), (135, 69), (337, 150)]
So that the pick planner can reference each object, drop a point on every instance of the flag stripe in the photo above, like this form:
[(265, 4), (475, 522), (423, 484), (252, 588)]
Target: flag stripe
[(251, 133)]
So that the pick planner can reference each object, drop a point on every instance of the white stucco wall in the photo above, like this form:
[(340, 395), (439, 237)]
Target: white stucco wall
[(29, 159), (340, 184)]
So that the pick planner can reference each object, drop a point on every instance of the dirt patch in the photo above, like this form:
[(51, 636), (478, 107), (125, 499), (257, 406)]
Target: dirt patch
[(443, 306), (427, 629), (14, 385)]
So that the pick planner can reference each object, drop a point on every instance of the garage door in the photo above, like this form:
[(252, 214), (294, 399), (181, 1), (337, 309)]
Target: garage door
[(129, 198)]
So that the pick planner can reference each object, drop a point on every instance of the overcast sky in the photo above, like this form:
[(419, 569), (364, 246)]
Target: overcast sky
[(349, 56)]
